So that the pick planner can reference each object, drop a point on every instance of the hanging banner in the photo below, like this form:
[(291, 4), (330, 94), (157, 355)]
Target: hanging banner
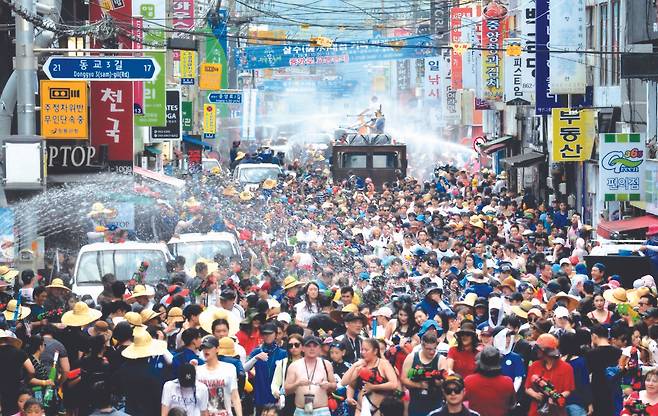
[(187, 67), (119, 11), (440, 21), (528, 55), (573, 135), (173, 129), (493, 33), (182, 12), (450, 105), (112, 123), (567, 31), (63, 109), (209, 121), (138, 86), (154, 99), (186, 116), (432, 79), (472, 58), (515, 94), (622, 162), (210, 77), (456, 64)]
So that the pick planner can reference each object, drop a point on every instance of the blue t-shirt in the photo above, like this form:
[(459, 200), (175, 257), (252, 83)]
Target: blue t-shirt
[(512, 365), (185, 356)]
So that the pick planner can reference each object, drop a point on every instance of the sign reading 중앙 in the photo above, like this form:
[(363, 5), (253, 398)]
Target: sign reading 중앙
[(621, 166)]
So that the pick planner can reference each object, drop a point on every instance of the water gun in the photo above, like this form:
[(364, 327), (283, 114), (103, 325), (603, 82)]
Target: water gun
[(139, 276), (17, 311), (422, 374), (546, 388), (369, 375), (625, 309), (634, 407), (49, 394)]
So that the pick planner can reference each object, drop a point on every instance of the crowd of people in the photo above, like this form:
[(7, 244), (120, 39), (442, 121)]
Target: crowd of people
[(455, 296)]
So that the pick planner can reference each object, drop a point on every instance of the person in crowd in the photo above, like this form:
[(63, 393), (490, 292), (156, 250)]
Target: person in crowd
[(461, 358), (295, 352), (424, 394), (488, 391), (606, 390), (263, 360), (453, 394), (185, 392), (220, 378)]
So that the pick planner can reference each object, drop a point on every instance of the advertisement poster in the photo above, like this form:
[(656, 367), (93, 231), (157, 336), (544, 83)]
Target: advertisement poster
[(187, 67), (209, 121), (210, 77), (573, 134), (515, 93), (173, 129), (456, 58), (622, 162)]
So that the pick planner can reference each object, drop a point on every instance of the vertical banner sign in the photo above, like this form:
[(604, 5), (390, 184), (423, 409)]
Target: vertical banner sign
[(7, 236), (493, 32), (432, 79), (403, 75), (187, 120), (567, 29), (187, 67), (573, 134), (155, 90), (173, 129), (471, 59), (545, 100), (112, 123), (440, 21), (209, 121), (138, 86), (64, 109), (450, 105), (182, 20), (210, 77), (515, 94), (621, 166), (528, 56), (456, 15)]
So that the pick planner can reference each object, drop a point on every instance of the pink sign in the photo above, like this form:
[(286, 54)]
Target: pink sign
[(182, 20)]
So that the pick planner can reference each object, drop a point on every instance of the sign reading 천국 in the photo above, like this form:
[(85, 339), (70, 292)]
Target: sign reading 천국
[(101, 68), (390, 49), (621, 166)]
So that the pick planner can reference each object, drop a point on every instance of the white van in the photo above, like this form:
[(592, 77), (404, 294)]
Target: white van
[(122, 260), (194, 246)]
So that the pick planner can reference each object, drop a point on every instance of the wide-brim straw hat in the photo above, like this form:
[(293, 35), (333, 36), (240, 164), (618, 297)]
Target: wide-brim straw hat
[(175, 314), (634, 295), (140, 291), (148, 314), (81, 315), (10, 312), (212, 313), (144, 346), (571, 301), (246, 196), (230, 191), (7, 273), (616, 296), (269, 183), (290, 282), (57, 284), (97, 208), (469, 300)]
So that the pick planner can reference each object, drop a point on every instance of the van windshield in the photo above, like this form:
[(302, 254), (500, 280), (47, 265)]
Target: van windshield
[(256, 175), (122, 263), (193, 251)]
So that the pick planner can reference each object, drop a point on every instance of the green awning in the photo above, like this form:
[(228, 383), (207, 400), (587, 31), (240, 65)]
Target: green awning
[(496, 144), (152, 150)]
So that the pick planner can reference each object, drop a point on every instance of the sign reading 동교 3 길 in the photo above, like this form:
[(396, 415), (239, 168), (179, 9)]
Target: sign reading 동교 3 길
[(621, 166)]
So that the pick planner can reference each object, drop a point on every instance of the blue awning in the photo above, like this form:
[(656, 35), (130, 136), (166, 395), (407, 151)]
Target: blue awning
[(197, 142)]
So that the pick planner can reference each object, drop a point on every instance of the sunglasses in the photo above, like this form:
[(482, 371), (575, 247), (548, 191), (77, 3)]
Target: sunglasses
[(453, 390), (294, 345)]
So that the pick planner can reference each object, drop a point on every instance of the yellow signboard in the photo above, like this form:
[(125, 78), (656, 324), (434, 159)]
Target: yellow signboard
[(573, 134), (187, 67), (209, 120), (211, 76), (64, 109)]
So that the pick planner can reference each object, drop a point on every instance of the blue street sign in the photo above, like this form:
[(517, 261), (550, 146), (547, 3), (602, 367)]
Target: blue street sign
[(225, 97), (101, 68), (187, 81), (208, 136)]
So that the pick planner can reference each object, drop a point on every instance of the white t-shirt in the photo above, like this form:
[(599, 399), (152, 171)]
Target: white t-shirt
[(220, 381), (175, 396)]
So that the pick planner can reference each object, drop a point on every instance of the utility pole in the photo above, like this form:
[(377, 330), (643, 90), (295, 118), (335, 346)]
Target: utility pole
[(26, 70)]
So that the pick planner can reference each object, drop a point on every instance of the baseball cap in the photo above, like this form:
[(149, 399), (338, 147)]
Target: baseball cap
[(561, 312), (268, 329), (311, 339), (548, 344), (209, 341)]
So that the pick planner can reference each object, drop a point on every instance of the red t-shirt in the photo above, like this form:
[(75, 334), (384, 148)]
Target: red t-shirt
[(561, 375), (464, 361), (249, 341), (490, 396)]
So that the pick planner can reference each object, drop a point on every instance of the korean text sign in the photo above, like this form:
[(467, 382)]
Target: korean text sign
[(432, 78), (112, 123), (209, 121), (573, 134), (64, 109), (622, 161), (211, 76), (493, 33)]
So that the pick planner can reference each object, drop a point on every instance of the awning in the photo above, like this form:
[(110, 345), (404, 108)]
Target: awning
[(525, 159), (175, 182), (496, 144), (152, 150), (197, 142), (606, 228)]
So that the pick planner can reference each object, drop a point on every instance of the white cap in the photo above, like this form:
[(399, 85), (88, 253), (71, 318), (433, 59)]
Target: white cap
[(383, 311), (559, 240), (284, 317), (564, 260), (561, 312)]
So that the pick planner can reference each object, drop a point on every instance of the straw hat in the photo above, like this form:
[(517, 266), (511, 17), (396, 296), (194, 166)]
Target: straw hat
[(144, 346), (337, 315), (246, 196), (571, 302), (469, 300), (229, 191), (240, 156), (269, 183), (81, 315), (148, 314), (634, 295), (140, 290), (476, 221), (509, 282), (616, 296), (97, 208), (175, 315), (23, 311), (8, 274), (522, 310), (9, 337), (57, 284), (133, 318), (290, 282), (212, 313), (226, 347)]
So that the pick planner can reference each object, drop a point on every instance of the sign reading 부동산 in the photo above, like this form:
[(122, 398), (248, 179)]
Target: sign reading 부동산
[(622, 160)]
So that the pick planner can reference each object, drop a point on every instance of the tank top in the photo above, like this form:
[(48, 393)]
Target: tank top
[(424, 400)]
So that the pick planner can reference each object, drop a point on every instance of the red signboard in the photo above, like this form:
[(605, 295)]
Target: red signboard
[(112, 120), (456, 14), (119, 10)]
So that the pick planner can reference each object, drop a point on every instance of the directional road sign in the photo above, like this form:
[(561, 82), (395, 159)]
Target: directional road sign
[(101, 68), (230, 97)]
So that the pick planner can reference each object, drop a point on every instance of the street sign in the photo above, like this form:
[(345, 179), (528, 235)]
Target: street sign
[(229, 97), (101, 68)]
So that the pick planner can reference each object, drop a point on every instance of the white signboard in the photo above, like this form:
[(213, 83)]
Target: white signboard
[(622, 161), (515, 93), (450, 105), (568, 33), (528, 57), (470, 58), (432, 78)]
